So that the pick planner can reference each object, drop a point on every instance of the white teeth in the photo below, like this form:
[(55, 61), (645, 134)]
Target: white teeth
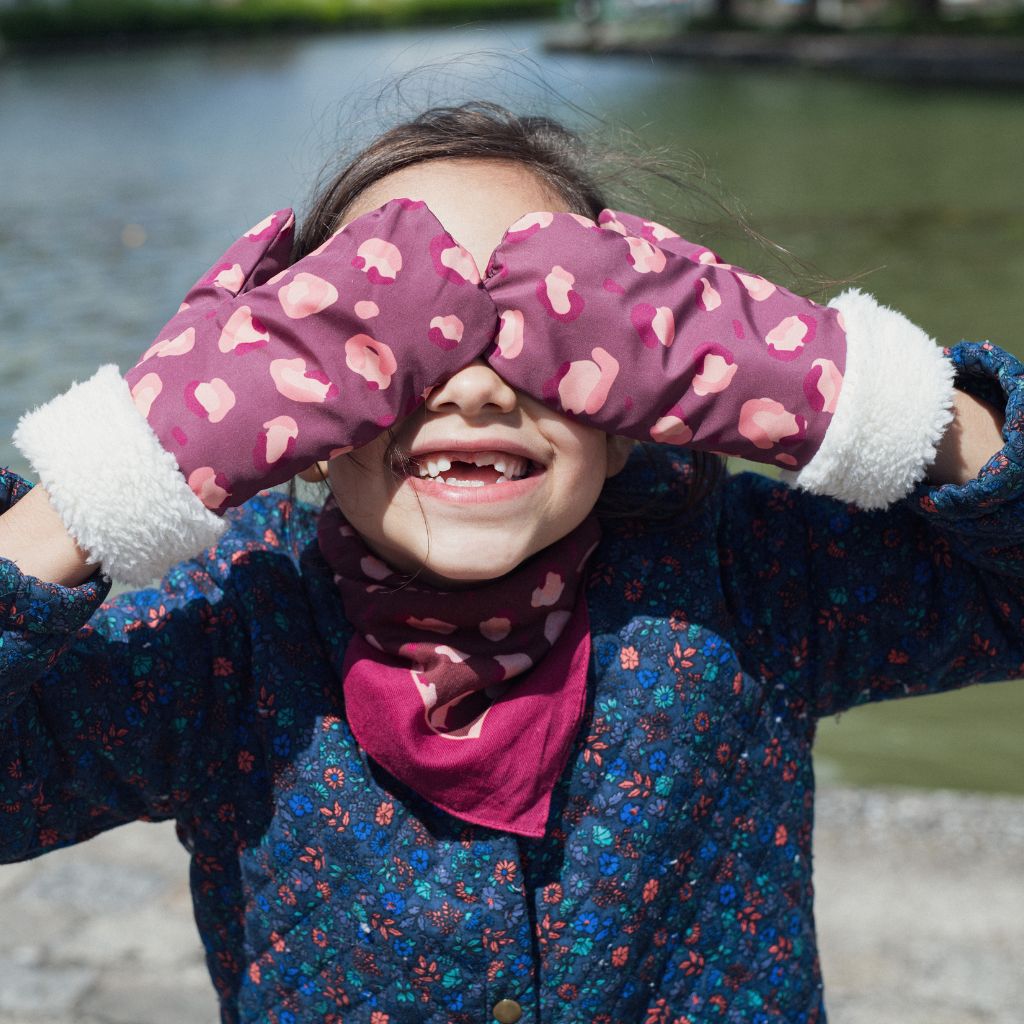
[(509, 467)]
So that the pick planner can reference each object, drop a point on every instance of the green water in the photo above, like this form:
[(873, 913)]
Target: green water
[(919, 187)]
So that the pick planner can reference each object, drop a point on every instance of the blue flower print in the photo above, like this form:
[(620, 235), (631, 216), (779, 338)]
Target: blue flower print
[(646, 677), (300, 804), (393, 902)]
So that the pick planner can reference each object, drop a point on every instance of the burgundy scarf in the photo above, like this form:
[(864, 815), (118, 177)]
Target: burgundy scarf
[(471, 697)]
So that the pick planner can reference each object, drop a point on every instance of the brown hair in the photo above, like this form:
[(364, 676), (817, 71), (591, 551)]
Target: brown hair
[(560, 158)]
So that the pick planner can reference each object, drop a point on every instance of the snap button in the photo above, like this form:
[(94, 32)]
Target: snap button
[(507, 1011)]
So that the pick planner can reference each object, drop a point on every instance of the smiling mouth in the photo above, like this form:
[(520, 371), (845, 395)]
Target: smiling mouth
[(472, 469)]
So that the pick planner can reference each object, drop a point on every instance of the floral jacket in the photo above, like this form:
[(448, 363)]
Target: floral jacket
[(674, 882)]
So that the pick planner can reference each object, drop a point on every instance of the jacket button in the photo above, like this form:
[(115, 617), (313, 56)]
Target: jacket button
[(507, 1011)]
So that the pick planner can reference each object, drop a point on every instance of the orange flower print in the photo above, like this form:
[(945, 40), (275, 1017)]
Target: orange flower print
[(379, 1017), (334, 777), (385, 813), (620, 954), (336, 817), (748, 918), (650, 890), (628, 658), (505, 871), (677, 620), (552, 893)]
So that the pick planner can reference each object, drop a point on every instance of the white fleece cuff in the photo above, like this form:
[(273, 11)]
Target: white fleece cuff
[(118, 491), (894, 407)]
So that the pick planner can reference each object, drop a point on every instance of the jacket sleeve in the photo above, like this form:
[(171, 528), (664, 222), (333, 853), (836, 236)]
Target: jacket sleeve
[(110, 712), (843, 606)]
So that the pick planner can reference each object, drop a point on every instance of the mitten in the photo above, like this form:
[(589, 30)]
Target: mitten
[(630, 328), (264, 370)]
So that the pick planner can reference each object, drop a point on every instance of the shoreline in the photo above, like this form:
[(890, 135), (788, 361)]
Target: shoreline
[(945, 59), (52, 29)]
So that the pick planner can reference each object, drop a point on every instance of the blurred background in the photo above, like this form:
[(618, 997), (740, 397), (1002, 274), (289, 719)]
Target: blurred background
[(138, 139)]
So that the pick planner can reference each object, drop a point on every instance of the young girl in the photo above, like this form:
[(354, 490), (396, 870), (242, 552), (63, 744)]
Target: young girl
[(517, 727)]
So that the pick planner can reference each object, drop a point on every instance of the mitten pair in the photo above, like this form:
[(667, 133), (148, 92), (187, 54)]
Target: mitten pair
[(268, 367)]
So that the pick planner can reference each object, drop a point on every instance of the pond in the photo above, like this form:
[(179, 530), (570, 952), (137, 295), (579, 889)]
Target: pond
[(124, 174)]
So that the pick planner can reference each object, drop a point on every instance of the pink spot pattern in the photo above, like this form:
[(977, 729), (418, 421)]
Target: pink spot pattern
[(306, 294), (379, 259), (822, 385), (716, 368), (145, 391), (452, 261), (765, 422), (373, 360), (210, 399), (296, 380), (557, 295), (180, 345), (242, 333), (277, 439), (446, 331), (510, 333)]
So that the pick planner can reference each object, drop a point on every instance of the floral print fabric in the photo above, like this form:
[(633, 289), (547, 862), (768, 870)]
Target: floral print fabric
[(674, 882)]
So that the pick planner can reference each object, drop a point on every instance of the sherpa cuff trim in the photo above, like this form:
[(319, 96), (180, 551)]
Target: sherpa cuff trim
[(894, 407), (118, 491)]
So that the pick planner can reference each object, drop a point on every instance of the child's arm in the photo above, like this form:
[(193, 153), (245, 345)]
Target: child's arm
[(33, 536), (974, 437), (105, 711), (841, 606)]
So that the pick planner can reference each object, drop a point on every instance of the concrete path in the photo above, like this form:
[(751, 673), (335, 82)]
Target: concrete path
[(920, 910)]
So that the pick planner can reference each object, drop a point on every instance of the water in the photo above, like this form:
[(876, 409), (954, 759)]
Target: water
[(124, 174)]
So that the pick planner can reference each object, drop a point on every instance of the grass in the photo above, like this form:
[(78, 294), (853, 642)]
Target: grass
[(85, 21), (968, 739)]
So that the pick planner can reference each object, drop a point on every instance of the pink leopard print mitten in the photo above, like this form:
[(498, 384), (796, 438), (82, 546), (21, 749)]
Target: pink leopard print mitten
[(633, 329), (640, 333), (265, 369), (251, 382)]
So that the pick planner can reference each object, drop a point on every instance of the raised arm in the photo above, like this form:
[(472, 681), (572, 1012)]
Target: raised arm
[(841, 606)]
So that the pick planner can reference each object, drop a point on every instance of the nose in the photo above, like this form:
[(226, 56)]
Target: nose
[(476, 389)]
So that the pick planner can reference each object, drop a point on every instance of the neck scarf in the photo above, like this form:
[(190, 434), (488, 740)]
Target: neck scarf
[(470, 697)]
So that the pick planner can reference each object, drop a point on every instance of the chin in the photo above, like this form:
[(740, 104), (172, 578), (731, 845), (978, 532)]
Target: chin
[(455, 568), (445, 575)]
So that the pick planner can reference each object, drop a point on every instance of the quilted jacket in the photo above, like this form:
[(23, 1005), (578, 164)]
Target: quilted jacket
[(674, 881)]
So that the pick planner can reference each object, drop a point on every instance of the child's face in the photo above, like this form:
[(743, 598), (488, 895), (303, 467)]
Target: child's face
[(454, 533)]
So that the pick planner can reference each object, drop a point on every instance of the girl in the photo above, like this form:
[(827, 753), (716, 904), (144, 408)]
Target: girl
[(481, 740)]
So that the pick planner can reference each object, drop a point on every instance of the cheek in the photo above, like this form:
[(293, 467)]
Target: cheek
[(584, 453), (361, 482)]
